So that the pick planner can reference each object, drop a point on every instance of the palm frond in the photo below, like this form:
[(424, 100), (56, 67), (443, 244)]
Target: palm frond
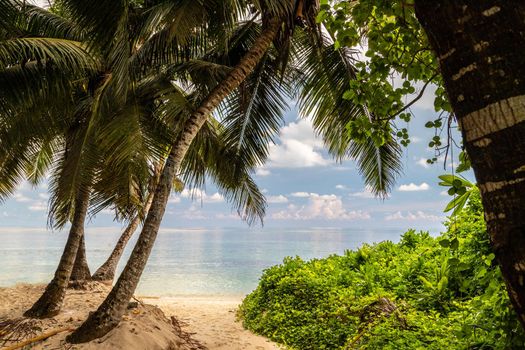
[(100, 19), (65, 54), (210, 156), (43, 23), (326, 74)]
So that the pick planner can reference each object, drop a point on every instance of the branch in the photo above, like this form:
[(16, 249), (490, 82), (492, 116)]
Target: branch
[(407, 106)]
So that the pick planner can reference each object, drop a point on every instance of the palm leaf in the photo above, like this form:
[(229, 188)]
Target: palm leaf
[(326, 74)]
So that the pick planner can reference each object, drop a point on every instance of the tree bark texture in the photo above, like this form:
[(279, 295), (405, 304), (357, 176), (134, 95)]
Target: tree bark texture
[(479, 44), (110, 312), (49, 304), (80, 268), (106, 272)]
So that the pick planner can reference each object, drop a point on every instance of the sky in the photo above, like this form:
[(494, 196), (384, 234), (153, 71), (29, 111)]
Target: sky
[(303, 185)]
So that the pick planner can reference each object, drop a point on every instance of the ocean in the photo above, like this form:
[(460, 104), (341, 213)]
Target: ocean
[(225, 261)]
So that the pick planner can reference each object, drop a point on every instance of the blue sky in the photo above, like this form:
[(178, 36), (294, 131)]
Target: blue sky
[(303, 185)]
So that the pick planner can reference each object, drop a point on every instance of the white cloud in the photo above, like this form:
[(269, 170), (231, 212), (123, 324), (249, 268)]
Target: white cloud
[(38, 206), (412, 187), (423, 163), (174, 199), (196, 193), (327, 207), (300, 194), (227, 216), (277, 199), (415, 139), (365, 193), (262, 172), (215, 198), (43, 195), (299, 147), (412, 216), (340, 187), (194, 213), (19, 197)]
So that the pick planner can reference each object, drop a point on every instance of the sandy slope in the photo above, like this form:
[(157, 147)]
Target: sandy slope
[(207, 322), (213, 322)]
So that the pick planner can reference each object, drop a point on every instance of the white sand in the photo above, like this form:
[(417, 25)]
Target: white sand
[(212, 319), (206, 322)]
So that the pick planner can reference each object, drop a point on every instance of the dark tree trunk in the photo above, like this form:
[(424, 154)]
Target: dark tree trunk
[(106, 272), (80, 268), (480, 49), (50, 302), (110, 312)]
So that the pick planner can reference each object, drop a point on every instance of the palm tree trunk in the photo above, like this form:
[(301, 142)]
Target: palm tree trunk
[(480, 49), (80, 268), (106, 272), (110, 312), (49, 304)]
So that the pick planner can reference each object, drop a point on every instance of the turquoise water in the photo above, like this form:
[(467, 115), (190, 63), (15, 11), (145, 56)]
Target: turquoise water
[(196, 262)]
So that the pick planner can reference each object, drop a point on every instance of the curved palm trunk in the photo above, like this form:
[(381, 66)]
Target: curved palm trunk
[(50, 302), (480, 49), (106, 272), (80, 268), (110, 312)]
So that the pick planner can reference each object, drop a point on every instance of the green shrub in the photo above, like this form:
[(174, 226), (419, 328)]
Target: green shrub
[(421, 293)]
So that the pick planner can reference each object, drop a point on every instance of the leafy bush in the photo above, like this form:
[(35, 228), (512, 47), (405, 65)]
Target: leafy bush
[(420, 293)]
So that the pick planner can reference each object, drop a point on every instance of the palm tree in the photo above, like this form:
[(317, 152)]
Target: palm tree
[(35, 80), (34, 138), (111, 136), (479, 45), (106, 271), (237, 94)]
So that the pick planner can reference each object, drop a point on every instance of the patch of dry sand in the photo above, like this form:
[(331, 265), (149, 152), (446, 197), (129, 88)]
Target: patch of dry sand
[(212, 321), (205, 322), (143, 327)]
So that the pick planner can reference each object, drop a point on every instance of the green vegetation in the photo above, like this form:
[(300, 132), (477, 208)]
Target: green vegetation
[(420, 293)]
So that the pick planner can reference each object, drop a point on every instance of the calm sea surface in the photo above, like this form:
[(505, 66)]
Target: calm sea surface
[(193, 261)]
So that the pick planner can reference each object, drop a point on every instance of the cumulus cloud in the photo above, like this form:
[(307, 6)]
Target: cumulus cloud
[(365, 193), (194, 213), (226, 216), (174, 199), (262, 172), (196, 193), (340, 187), (299, 147), (412, 187), (277, 199), (412, 216), (300, 194), (38, 206), (43, 195), (326, 207), (19, 197), (423, 162)]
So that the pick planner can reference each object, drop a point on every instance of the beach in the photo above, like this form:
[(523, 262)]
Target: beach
[(212, 321), (175, 323)]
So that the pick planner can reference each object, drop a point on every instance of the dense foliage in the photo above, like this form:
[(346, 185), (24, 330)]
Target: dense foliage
[(420, 293)]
